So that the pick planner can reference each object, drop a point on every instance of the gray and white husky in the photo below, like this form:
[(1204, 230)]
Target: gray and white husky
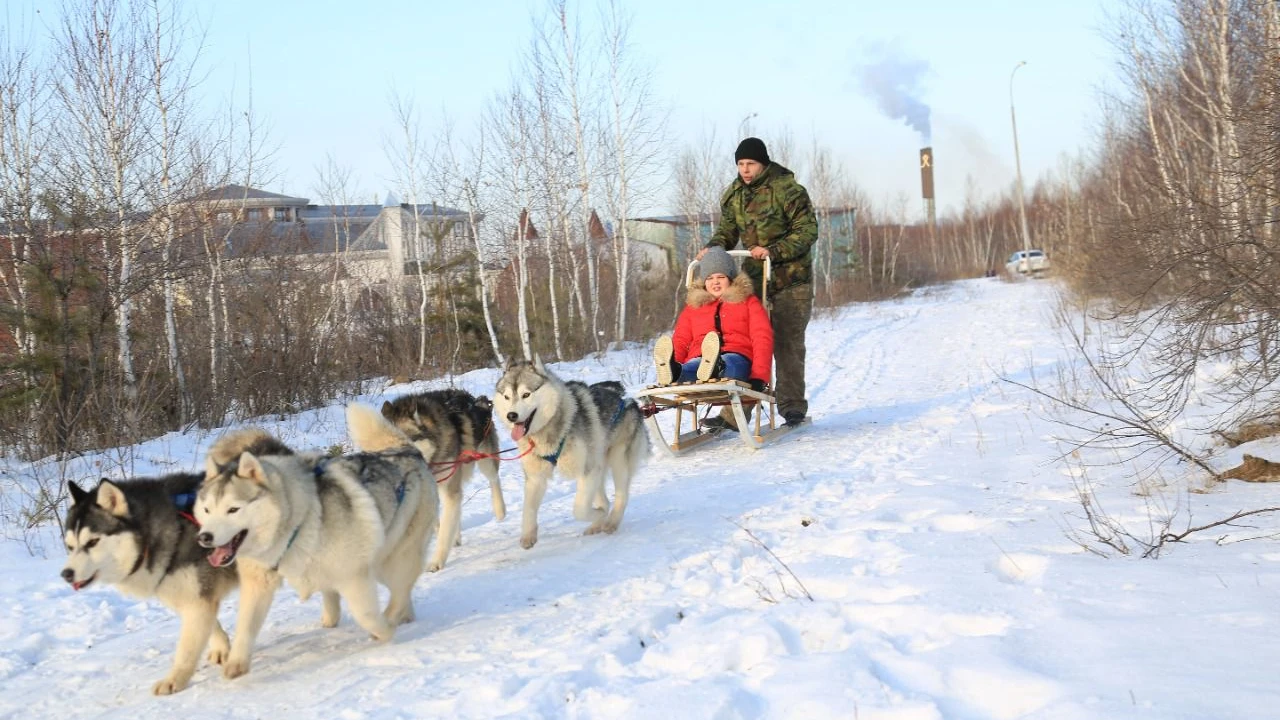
[(139, 536), (339, 525), (584, 431), (443, 424)]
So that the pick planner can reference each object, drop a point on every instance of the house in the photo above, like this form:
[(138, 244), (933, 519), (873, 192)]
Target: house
[(377, 243), (648, 257), (672, 241), (668, 242)]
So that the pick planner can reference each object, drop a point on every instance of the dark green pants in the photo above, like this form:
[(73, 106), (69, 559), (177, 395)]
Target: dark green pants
[(790, 315)]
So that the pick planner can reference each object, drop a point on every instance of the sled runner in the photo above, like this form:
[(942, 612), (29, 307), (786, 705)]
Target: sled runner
[(688, 399)]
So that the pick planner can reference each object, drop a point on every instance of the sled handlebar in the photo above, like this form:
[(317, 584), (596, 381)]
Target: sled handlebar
[(768, 273)]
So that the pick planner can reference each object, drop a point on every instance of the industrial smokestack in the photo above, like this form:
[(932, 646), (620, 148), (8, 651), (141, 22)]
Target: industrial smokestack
[(926, 185)]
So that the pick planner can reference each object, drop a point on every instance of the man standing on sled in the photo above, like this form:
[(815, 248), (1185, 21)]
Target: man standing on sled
[(771, 215)]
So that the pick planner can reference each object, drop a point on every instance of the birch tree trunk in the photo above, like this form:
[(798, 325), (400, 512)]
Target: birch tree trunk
[(24, 137), (508, 173), (169, 85), (634, 145), (103, 96), (407, 162)]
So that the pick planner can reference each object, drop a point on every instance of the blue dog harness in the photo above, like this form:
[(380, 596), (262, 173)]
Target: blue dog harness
[(554, 457), (400, 489)]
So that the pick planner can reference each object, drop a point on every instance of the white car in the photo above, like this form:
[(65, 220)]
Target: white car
[(1028, 262)]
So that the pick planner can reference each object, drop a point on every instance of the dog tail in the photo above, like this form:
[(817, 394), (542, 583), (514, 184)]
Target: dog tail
[(230, 447), (371, 432)]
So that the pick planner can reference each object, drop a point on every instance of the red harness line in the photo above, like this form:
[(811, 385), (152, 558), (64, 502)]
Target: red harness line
[(470, 456), (464, 457)]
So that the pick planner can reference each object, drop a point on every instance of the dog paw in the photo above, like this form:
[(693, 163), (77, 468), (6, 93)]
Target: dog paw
[(218, 655), (402, 618), (169, 685), (603, 525), (528, 540), (234, 668)]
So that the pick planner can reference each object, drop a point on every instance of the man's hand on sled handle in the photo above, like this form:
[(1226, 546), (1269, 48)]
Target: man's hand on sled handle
[(758, 252)]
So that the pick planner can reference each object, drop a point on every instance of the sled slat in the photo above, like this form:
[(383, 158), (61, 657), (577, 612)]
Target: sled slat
[(735, 394)]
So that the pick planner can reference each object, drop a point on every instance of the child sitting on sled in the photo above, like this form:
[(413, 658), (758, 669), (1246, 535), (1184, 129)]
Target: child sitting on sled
[(726, 323)]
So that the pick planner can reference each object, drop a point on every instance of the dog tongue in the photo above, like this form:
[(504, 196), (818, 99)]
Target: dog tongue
[(221, 555), (517, 431)]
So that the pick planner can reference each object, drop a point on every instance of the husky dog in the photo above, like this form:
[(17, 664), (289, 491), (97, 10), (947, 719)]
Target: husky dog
[(339, 525), (139, 536), (442, 424), (585, 431)]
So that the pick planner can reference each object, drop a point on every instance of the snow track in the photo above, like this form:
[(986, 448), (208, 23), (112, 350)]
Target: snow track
[(921, 512)]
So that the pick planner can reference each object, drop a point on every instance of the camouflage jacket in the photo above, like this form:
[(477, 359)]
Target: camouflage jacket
[(773, 212)]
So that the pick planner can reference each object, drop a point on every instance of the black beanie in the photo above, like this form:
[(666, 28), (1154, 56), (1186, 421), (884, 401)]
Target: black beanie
[(752, 149)]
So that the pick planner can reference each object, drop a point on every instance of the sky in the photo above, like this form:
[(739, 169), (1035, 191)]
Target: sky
[(322, 74), (916, 553)]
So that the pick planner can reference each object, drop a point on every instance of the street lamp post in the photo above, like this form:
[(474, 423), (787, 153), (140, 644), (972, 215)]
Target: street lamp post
[(1017, 162), (742, 126)]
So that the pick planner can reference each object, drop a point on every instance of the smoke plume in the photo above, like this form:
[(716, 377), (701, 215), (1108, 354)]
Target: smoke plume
[(895, 82)]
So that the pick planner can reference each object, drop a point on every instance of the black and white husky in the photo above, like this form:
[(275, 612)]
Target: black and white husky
[(444, 424), (139, 536), (584, 431)]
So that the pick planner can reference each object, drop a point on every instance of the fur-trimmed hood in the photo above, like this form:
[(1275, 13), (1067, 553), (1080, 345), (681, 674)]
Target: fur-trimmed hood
[(740, 319), (738, 291)]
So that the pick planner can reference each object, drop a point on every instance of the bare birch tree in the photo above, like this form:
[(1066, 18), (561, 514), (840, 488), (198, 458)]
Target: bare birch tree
[(565, 51), (462, 177), (509, 172), (551, 158), (104, 90), (634, 147), (25, 108), (171, 55), (409, 157), (238, 155), (700, 180), (333, 185)]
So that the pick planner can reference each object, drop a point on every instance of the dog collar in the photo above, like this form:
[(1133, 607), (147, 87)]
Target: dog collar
[(137, 564), (288, 545)]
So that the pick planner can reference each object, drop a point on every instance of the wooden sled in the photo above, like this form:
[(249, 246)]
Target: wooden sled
[(690, 398)]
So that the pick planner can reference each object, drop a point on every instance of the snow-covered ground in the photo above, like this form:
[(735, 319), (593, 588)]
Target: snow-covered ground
[(926, 512)]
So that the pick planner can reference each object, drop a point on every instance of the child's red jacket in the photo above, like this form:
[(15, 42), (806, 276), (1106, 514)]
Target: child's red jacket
[(744, 326)]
